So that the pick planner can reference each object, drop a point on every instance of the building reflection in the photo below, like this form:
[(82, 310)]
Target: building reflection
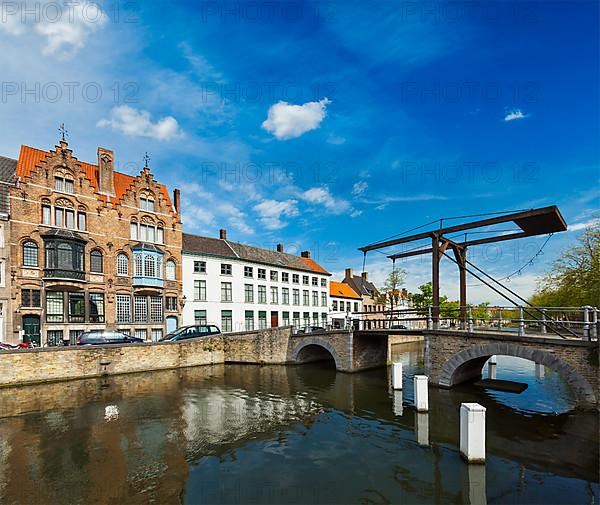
[(136, 438)]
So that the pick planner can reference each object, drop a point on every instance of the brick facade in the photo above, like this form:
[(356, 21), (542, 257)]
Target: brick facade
[(71, 222)]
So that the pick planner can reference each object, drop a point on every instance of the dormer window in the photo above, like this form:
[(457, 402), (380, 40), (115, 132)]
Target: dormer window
[(147, 203)]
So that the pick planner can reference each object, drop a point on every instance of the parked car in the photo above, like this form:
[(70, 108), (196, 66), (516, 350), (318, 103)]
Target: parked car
[(311, 329), (195, 331), (398, 327), (105, 337)]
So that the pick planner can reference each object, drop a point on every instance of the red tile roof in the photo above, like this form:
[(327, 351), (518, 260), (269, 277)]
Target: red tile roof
[(29, 158), (341, 290), (313, 265)]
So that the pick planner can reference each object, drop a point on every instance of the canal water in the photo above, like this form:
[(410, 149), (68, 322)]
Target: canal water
[(306, 434)]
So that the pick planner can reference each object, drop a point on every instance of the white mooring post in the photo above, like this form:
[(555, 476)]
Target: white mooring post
[(397, 376), (421, 393), (492, 368), (472, 432)]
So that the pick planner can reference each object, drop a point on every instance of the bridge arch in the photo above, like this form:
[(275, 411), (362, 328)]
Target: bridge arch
[(303, 352), (468, 363)]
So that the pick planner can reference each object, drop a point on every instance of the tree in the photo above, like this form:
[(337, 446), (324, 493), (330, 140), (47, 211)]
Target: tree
[(424, 299), (574, 278)]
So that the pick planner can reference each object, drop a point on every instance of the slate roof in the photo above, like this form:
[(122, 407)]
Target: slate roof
[(341, 290), (196, 244), (29, 158), (8, 168), (363, 287)]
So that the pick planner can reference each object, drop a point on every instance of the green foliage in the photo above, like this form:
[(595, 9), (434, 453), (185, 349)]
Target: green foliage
[(390, 293), (574, 278)]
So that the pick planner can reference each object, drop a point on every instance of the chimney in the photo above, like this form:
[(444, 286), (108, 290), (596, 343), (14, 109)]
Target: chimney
[(279, 247), (348, 274), (223, 234), (305, 254), (106, 169), (365, 276), (177, 200)]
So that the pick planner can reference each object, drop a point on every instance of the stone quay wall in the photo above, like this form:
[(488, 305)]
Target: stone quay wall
[(269, 346)]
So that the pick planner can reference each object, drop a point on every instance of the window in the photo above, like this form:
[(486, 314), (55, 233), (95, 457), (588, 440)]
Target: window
[(200, 317), (70, 219), (249, 320), (274, 275), (200, 291), (96, 307), (46, 214), (296, 297), (334, 305), (274, 295), (140, 309), (170, 270), (138, 269), (63, 185), (323, 299), (355, 306), (199, 267), (285, 277), (285, 296), (248, 272), (323, 283), (315, 317), (55, 306), (305, 297), (315, 298), (122, 264), (141, 333), (262, 319), (262, 294), (286, 318), (81, 221), (324, 319), (30, 254), (341, 306), (295, 279), (306, 317), (30, 298), (225, 269), (55, 338), (123, 308), (315, 281), (149, 266), (171, 303), (305, 280), (160, 235), (226, 320), (147, 203), (156, 309), (296, 319), (226, 292), (248, 293), (157, 334), (59, 215), (262, 273), (96, 262), (133, 231), (76, 307)]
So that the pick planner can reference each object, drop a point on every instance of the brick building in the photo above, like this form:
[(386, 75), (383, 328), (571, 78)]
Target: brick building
[(7, 177), (91, 248)]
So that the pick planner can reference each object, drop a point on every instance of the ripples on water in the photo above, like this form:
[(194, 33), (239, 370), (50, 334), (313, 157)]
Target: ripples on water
[(249, 434)]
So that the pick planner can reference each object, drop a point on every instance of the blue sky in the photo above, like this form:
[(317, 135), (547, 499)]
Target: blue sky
[(325, 125)]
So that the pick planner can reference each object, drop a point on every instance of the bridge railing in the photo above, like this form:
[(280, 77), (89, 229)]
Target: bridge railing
[(567, 322)]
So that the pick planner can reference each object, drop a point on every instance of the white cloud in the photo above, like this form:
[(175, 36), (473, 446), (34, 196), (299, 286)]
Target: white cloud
[(581, 226), (359, 188), (271, 212), (336, 140), (322, 196), (66, 27), (355, 213), (514, 115), (286, 121), (138, 123)]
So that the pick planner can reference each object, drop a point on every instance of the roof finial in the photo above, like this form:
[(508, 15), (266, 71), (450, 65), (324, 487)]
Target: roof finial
[(63, 132), (146, 160)]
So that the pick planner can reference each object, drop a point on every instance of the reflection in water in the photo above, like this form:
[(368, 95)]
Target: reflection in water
[(239, 434)]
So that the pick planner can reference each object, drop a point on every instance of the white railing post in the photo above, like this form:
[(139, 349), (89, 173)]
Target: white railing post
[(470, 312), (594, 328), (543, 328), (429, 318), (586, 322), (521, 322)]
